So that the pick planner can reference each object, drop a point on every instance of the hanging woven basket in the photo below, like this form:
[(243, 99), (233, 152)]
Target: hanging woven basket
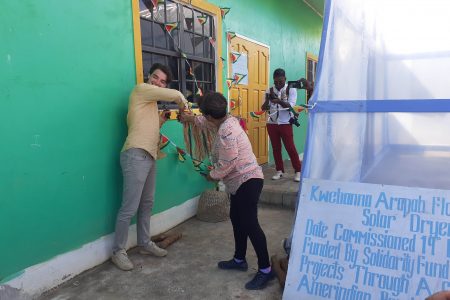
[(213, 206)]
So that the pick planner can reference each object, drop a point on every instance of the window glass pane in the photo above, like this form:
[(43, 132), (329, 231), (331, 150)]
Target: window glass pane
[(197, 26), (173, 41), (171, 12), (146, 64), (207, 71), (210, 87), (174, 85), (189, 70), (145, 9), (146, 33), (207, 47), (198, 44), (207, 26), (159, 59), (201, 86), (198, 70), (159, 36), (188, 19), (158, 13), (187, 43), (173, 65), (189, 94), (212, 34)]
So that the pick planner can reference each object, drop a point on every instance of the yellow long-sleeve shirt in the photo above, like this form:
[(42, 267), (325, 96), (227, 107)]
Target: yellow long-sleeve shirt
[(143, 117)]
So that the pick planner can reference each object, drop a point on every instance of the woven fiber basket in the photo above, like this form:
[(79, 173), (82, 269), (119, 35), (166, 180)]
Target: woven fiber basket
[(213, 206)]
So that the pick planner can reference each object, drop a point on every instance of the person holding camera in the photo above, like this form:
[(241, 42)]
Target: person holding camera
[(278, 101)]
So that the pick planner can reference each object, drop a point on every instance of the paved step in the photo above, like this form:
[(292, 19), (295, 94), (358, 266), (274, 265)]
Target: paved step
[(281, 192)]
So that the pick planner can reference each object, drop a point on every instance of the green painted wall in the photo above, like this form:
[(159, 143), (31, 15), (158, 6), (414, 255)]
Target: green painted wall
[(66, 70), (290, 28)]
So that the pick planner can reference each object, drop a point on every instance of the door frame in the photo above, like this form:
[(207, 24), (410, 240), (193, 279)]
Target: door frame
[(268, 72)]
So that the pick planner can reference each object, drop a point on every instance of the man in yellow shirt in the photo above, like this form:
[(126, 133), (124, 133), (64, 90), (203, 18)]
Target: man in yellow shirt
[(138, 163)]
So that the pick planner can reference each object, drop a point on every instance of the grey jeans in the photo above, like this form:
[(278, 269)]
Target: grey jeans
[(139, 174)]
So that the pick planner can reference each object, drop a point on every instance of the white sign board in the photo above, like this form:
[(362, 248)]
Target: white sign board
[(369, 241)]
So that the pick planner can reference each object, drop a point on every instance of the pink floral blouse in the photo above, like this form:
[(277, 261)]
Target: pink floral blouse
[(232, 155)]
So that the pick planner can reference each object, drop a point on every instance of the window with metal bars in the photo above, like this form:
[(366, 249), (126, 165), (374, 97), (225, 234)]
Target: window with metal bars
[(187, 50)]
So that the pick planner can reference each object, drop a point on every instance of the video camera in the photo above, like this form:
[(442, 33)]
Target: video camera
[(294, 120), (301, 84)]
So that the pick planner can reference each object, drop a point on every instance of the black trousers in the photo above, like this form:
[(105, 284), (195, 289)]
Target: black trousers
[(244, 218)]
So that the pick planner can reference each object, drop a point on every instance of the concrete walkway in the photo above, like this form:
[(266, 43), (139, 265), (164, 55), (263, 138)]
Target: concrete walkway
[(190, 269)]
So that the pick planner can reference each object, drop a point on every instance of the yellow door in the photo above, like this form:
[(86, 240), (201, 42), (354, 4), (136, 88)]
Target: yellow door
[(249, 97)]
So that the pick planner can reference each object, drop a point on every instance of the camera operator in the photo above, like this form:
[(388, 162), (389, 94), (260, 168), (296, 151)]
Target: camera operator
[(278, 99)]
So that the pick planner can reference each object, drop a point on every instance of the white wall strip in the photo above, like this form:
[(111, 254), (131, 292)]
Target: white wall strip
[(39, 278)]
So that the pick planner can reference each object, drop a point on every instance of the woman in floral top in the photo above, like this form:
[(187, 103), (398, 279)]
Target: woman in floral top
[(236, 165)]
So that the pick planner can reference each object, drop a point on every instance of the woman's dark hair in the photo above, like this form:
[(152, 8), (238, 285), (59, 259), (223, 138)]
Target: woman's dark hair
[(279, 73), (164, 69), (213, 104)]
